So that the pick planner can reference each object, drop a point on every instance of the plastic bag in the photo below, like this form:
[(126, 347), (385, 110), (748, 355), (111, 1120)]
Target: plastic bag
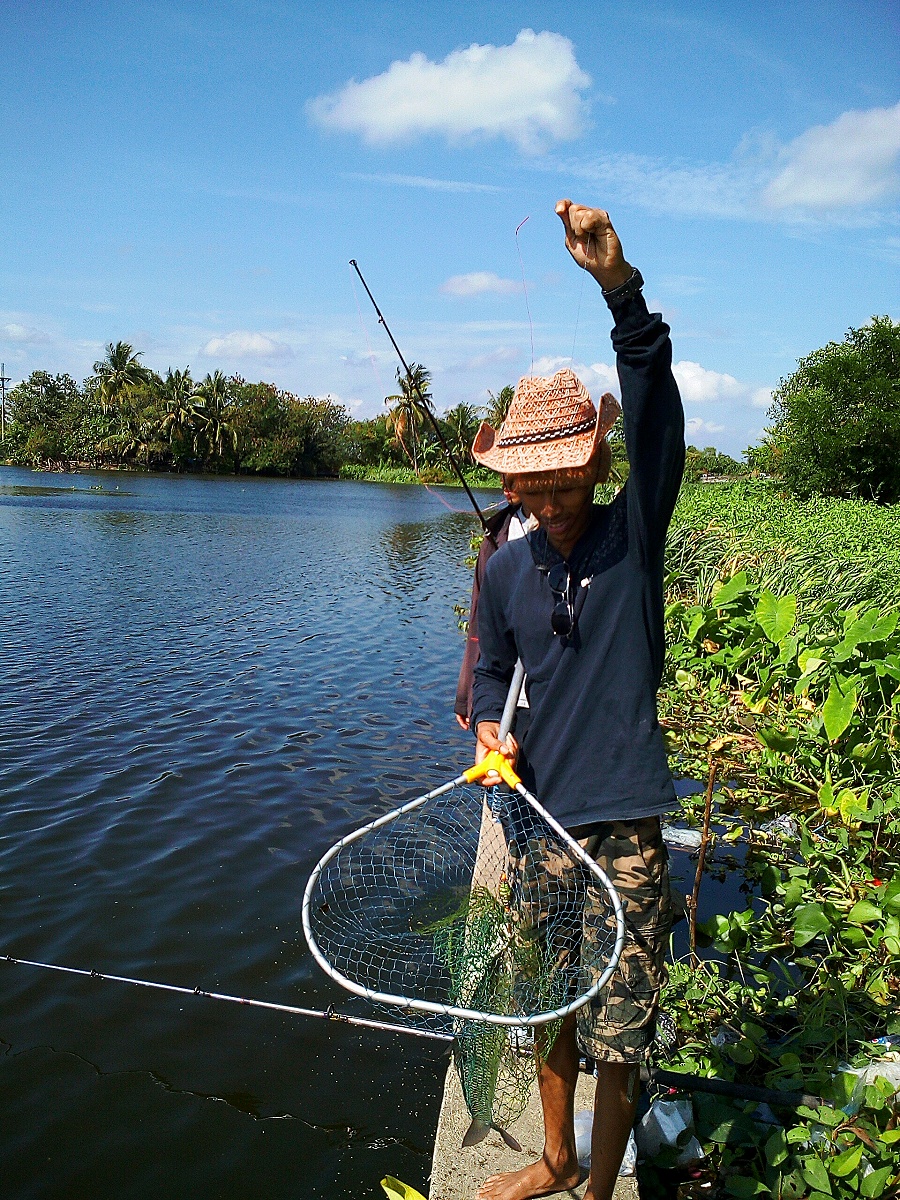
[(584, 1125), (669, 1124)]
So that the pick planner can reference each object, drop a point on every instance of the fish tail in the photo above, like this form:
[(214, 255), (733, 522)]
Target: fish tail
[(508, 1138), (476, 1132), (479, 1130)]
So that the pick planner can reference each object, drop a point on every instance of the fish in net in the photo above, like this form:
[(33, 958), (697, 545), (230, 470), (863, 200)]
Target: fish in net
[(462, 912)]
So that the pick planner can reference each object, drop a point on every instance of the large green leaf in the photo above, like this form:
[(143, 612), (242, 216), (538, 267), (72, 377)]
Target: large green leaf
[(698, 620), (741, 1185), (815, 1174), (847, 1162), (864, 912), (837, 711), (777, 1148), (742, 1052), (777, 739), (809, 660), (891, 898), (809, 922), (736, 586), (875, 1184), (776, 615), (852, 805), (885, 627)]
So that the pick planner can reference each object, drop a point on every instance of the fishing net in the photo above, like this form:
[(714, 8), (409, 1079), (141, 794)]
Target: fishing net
[(468, 923)]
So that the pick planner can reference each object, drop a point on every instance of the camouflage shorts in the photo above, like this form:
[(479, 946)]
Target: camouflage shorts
[(619, 1024)]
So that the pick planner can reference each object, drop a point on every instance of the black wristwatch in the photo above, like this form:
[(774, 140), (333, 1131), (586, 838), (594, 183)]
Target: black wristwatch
[(626, 290)]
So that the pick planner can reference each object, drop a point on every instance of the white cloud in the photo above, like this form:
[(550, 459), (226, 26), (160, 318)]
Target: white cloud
[(597, 378), (761, 397), (700, 386), (244, 344), (841, 169), (695, 426), (849, 163), (528, 92), (477, 283), (423, 181), (14, 331)]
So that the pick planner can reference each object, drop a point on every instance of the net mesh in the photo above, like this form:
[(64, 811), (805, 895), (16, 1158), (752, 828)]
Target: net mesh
[(448, 905)]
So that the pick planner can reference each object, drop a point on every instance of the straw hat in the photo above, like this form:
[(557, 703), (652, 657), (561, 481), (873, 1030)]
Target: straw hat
[(551, 425)]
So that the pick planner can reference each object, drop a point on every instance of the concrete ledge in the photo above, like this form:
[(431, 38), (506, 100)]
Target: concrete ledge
[(458, 1172)]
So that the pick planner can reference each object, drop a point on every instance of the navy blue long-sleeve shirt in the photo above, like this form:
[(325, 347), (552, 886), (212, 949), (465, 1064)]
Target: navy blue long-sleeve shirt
[(594, 750)]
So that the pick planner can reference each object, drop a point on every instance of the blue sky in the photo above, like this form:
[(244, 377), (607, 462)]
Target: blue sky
[(193, 177)]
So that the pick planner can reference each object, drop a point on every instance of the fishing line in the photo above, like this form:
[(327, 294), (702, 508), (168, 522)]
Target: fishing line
[(525, 289)]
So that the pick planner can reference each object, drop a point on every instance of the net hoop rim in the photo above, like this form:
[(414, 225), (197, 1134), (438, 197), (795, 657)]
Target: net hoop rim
[(450, 1010)]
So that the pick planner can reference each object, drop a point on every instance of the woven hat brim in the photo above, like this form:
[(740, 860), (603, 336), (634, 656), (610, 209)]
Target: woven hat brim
[(557, 454)]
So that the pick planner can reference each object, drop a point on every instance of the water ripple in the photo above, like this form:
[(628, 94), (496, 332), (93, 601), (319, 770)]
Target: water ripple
[(203, 684)]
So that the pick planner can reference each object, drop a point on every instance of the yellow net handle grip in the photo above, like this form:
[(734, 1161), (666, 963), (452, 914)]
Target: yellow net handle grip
[(495, 763)]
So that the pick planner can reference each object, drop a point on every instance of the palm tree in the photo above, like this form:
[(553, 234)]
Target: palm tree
[(407, 408), (460, 426), (119, 373), (211, 398), (495, 413), (137, 432), (181, 424)]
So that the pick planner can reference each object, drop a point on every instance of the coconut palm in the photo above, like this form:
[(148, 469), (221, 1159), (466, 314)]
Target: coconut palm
[(460, 426), (137, 435), (498, 407), (119, 373), (180, 423), (211, 398), (408, 406)]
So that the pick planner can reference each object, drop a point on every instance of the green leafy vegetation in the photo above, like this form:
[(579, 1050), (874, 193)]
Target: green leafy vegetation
[(783, 674)]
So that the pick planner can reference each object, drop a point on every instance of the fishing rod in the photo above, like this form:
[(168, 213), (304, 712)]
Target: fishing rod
[(424, 406), (327, 1014)]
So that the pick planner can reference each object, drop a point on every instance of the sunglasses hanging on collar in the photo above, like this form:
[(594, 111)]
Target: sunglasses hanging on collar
[(564, 617)]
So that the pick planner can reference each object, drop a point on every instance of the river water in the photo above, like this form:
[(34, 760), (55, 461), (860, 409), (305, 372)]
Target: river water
[(203, 683)]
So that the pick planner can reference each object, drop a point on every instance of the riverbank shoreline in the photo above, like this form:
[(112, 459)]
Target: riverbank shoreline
[(481, 481)]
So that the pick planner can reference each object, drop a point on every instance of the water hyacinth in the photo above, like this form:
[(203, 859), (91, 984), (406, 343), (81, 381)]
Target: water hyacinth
[(783, 670)]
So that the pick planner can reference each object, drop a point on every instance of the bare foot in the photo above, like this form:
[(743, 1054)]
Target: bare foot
[(539, 1179)]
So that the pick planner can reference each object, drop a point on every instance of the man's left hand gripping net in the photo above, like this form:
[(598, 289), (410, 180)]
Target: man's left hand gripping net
[(473, 914)]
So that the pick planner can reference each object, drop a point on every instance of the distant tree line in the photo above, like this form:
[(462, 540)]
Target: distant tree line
[(710, 463), (126, 415)]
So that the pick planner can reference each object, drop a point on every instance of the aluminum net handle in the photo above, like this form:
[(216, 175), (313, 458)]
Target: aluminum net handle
[(512, 701)]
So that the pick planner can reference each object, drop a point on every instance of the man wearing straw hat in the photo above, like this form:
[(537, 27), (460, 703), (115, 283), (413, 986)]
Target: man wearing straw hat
[(580, 601)]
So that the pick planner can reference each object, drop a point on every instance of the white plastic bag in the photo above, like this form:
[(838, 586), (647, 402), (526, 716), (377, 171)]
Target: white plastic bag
[(584, 1126), (669, 1124)]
